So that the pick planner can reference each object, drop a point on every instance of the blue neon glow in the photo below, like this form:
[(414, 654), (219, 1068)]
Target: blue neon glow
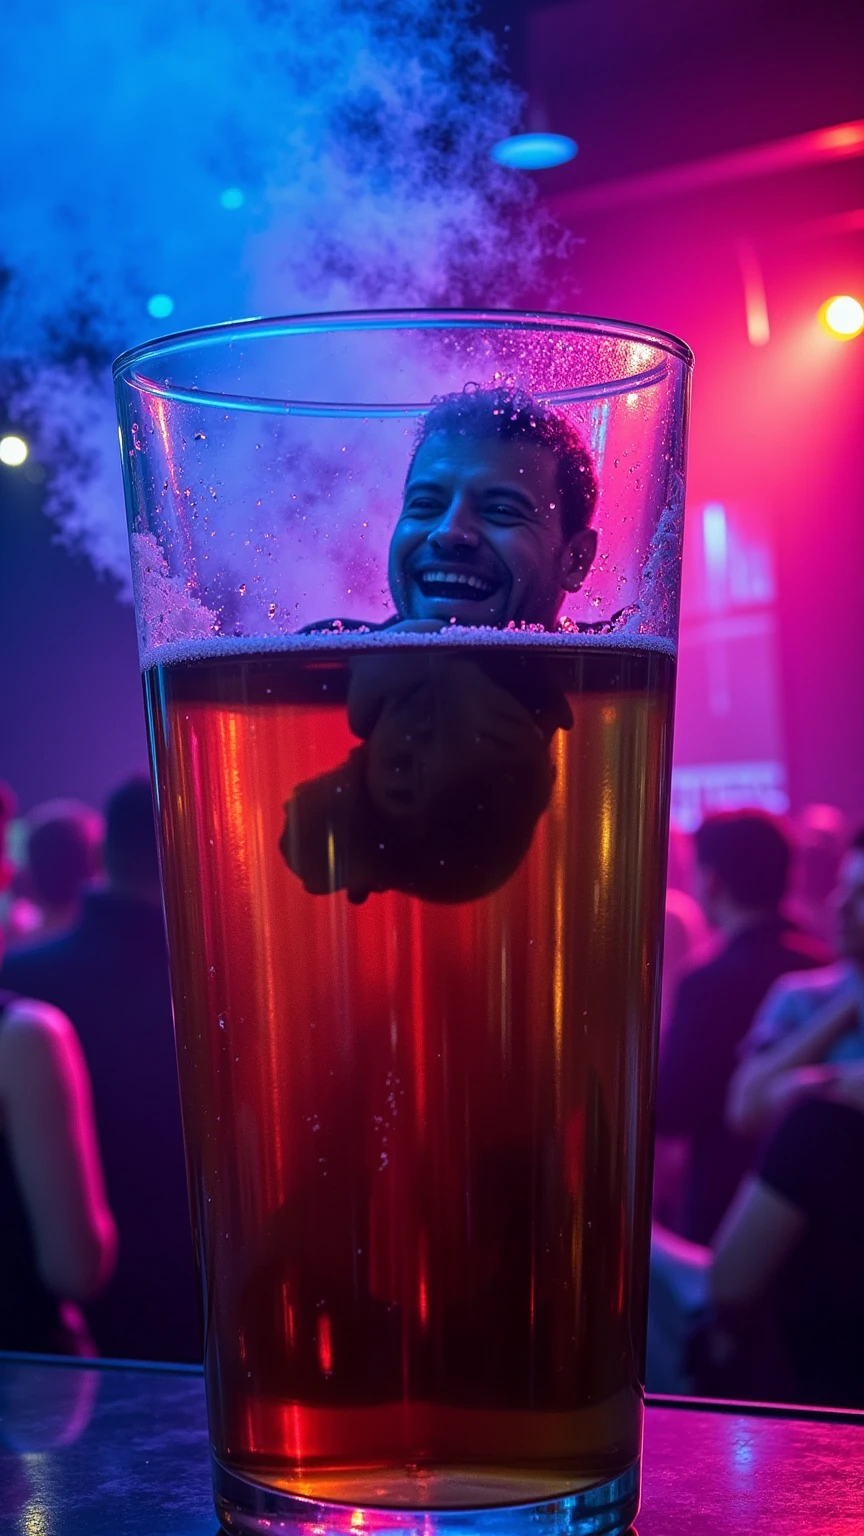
[(715, 537), (534, 151), (354, 201), (160, 306)]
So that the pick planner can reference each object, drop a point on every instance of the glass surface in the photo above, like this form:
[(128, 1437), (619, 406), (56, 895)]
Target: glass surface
[(406, 588)]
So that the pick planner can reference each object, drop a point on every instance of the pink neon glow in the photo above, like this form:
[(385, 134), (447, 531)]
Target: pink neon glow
[(843, 141), (755, 299)]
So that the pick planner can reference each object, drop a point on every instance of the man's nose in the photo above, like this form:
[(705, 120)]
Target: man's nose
[(457, 526)]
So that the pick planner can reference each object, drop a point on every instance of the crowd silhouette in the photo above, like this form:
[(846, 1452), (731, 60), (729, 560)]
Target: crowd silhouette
[(757, 1244), (757, 1253)]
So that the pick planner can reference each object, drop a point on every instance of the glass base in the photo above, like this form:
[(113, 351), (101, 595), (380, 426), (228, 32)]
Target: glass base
[(247, 1508)]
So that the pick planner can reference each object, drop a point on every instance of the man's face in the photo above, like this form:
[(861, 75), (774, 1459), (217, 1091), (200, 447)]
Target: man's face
[(480, 538), (849, 901)]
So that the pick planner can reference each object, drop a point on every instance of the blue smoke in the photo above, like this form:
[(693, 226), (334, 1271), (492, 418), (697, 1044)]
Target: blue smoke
[(351, 138)]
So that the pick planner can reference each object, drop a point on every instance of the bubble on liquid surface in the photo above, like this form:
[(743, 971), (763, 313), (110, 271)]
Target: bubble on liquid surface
[(205, 649)]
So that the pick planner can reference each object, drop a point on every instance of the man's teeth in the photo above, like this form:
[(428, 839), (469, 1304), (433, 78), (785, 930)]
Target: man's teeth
[(450, 579)]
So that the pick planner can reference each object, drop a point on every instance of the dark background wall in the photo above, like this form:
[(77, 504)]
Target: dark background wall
[(71, 717)]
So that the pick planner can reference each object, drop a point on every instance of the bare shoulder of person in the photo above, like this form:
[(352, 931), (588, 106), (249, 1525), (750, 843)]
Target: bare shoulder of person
[(33, 1033)]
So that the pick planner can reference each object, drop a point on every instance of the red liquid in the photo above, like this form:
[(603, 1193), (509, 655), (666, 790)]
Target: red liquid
[(418, 1129)]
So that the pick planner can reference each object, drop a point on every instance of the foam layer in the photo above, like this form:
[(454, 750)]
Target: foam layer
[(217, 646)]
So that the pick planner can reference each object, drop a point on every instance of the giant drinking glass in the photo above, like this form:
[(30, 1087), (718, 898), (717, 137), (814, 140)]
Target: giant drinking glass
[(406, 588)]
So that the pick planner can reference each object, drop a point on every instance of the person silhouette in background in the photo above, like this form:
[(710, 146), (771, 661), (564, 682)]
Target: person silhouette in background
[(774, 1308), (810, 1028), (110, 975), (64, 842), (742, 871), (822, 835), (686, 934), (57, 1235), (686, 942)]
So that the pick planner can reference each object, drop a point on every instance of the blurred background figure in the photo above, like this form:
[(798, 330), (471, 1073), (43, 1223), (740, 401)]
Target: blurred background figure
[(110, 975), (62, 857), (809, 1028), (686, 931), (821, 837), (742, 871), (774, 1309), (686, 938), (57, 1236)]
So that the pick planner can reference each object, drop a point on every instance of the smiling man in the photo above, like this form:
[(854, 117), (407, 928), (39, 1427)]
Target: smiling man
[(495, 521), (495, 517)]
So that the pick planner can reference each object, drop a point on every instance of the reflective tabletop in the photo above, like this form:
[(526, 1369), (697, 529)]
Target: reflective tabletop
[(110, 1449)]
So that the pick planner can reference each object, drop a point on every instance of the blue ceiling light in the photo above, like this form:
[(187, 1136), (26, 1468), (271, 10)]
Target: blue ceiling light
[(160, 306), (534, 151), (232, 197)]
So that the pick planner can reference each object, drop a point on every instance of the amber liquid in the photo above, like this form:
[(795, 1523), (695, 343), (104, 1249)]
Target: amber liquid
[(418, 1120)]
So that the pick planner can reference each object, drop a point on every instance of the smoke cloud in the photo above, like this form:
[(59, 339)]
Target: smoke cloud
[(242, 157)]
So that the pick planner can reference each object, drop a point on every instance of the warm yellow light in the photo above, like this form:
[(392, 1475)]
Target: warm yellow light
[(843, 316), (13, 451)]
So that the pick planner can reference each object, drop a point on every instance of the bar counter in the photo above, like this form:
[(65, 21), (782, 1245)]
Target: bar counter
[(110, 1449)]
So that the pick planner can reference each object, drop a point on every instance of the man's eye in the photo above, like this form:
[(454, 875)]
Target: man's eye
[(499, 512), (421, 506)]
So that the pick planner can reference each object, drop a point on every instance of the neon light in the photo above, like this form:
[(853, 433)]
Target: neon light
[(534, 151), (844, 141), (699, 788), (598, 432), (715, 539), (843, 316), (13, 451), (160, 306), (755, 300)]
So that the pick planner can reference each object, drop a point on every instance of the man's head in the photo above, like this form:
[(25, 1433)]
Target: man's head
[(495, 516), (131, 859), (849, 900), (64, 839), (742, 866)]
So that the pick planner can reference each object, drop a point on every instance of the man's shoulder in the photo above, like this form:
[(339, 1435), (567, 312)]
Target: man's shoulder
[(758, 955), (59, 968), (736, 967), (816, 985), (712, 961), (795, 997), (25, 969)]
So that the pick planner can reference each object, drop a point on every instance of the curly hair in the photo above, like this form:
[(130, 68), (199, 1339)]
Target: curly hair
[(515, 416)]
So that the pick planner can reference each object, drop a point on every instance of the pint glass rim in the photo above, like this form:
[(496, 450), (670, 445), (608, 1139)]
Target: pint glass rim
[(126, 368)]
